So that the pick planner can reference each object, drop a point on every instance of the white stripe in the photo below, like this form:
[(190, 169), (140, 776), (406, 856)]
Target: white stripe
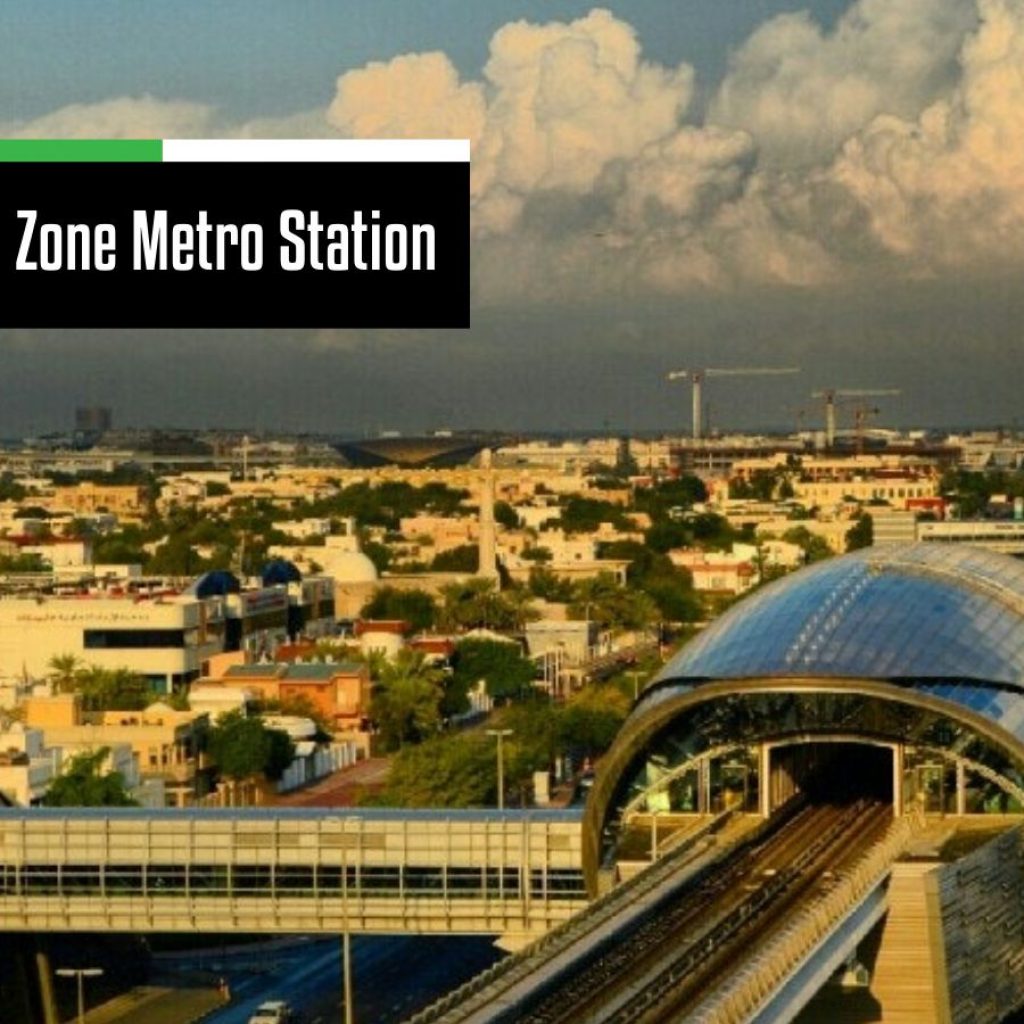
[(316, 150)]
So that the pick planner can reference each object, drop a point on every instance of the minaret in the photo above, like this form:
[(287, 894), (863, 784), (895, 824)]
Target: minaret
[(488, 547)]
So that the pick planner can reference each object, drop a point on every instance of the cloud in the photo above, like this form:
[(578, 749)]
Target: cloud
[(888, 146), (801, 92), (142, 117), (947, 189), (557, 103)]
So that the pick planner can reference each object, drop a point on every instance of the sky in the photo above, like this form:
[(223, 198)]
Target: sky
[(832, 185)]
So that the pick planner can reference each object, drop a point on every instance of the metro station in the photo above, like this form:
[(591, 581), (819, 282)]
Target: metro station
[(893, 672)]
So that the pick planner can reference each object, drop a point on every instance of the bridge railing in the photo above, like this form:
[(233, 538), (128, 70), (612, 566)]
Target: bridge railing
[(506, 973)]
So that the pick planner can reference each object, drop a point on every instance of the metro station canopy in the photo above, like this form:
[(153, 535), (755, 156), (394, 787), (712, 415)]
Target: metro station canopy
[(904, 612)]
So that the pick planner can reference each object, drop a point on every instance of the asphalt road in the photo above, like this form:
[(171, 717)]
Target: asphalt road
[(392, 976)]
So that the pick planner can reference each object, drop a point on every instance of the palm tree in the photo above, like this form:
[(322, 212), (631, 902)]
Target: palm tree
[(65, 671), (407, 704)]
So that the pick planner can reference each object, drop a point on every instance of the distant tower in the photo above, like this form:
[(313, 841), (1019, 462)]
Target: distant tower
[(488, 548)]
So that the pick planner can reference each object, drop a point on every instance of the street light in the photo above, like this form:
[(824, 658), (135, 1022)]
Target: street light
[(635, 676), (500, 734), (80, 973)]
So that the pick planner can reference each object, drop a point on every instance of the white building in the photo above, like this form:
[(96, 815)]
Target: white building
[(163, 638)]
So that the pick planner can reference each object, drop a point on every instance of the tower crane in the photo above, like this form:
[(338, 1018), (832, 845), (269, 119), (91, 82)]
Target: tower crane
[(699, 376), (834, 396)]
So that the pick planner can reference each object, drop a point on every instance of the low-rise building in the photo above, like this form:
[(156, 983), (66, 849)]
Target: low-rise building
[(339, 691), (716, 571), (168, 744), (164, 637)]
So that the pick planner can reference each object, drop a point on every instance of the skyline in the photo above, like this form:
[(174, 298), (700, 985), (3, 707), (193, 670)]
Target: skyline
[(651, 189)]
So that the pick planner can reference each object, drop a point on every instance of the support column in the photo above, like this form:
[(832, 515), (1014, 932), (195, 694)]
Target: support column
[(764, 789), (44, 973), (961, 789), (897, 780), (346, 977)]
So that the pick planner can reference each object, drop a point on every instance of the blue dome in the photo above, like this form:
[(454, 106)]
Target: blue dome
[(901, 612), (217, 583)]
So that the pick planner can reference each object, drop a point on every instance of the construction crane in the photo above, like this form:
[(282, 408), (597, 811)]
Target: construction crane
[(698, 377), (834, 396)]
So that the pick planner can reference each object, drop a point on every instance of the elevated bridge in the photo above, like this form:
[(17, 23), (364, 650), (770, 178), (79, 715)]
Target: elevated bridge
[(509, 873)]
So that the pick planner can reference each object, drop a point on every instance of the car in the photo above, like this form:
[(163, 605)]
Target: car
[(273, 1011)]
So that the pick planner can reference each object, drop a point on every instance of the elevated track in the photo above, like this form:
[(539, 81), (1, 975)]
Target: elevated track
[(669, 949)]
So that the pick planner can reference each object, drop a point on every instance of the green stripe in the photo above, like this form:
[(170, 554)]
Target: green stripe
[(81, 150)]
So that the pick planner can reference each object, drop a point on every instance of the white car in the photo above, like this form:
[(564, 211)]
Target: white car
[(274, 1011)]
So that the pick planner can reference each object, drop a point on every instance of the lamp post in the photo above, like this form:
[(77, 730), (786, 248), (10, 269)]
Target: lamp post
[(80, 973), (346, 935), (635, 676), (500, 734)]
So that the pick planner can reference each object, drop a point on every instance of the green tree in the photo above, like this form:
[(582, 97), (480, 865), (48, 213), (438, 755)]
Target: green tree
[(22, 563), (507, 672), (64, 671), (416, 607), (815, 548), (407, 703), (112, 689), (457, 770), (242, 748), (590, 721), (464, 558), (82, 783), (549, 586), (506, 515), (474, 603), (861, 534)]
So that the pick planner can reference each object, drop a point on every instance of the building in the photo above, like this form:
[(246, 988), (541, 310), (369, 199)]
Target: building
[(164, 637), (168, 745), (93, 419), (890, 678), (27, 766), (126, 501), (338, 690), (716, 571)]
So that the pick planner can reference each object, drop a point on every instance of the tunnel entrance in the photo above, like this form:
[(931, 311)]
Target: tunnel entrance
[(830, 772)]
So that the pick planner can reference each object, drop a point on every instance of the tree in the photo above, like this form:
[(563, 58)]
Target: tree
[(591, 720), (416, 607), (64, 671), (112, 689), (549, 586), (22, 563), (601, 599), (506, 515), (244, 747), (475, 603), (83, 783), (447, 771), (815, 548), (861, 534), (407, 704), (464, 558), (502, 665)]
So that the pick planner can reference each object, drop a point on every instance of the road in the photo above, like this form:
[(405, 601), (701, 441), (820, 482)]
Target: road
[(392, 976), (342, 788)]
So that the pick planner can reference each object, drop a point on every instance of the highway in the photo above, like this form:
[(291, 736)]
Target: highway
[(393, 976)]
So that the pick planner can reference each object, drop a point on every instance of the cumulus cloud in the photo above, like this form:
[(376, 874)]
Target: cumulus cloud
[(889, 144), (142, 117), (557, 103), (801, 91), (948, 187)]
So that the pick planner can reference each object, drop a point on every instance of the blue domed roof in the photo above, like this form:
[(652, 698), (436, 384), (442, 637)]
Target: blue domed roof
[(901, 612)]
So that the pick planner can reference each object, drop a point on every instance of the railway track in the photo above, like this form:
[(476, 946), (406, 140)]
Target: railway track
[(666, 961)]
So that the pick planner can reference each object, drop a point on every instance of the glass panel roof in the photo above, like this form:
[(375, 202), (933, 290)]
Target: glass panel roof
[(921, 611)]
